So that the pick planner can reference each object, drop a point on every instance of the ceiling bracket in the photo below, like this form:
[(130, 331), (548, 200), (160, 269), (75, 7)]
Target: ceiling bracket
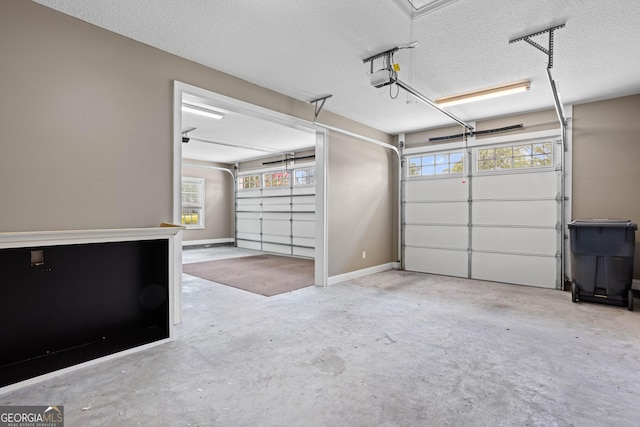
[(322, 99), (185, 136), (387, 55), (546, 50), (554, 85)]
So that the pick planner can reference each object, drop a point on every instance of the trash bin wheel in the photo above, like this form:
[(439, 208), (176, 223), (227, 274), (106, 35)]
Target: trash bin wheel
[(630, 300), (574, 292)]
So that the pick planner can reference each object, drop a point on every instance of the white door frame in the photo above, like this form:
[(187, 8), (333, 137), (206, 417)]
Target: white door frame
[(245, 108)]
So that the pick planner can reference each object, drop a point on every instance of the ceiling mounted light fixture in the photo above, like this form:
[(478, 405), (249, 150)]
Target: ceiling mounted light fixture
[(477, 95), (195, 109)]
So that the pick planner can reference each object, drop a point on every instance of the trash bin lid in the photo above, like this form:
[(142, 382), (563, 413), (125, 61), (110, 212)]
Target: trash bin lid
[(603, 222)]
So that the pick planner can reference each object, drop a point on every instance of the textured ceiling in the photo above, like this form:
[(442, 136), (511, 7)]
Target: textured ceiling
[(238, 137), (307, 48)]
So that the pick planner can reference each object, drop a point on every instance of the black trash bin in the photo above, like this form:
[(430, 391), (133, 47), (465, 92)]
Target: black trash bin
[(602, 253)]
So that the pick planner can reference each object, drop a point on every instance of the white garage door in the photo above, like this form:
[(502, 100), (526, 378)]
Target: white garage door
[(275, 211), (489, 212)]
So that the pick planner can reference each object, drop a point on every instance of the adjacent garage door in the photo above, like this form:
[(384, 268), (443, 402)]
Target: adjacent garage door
[(275, 211), (490, 212)]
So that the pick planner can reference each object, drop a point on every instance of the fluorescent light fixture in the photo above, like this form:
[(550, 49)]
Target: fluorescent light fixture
[(195, 109), (481, 94), (409, 45)]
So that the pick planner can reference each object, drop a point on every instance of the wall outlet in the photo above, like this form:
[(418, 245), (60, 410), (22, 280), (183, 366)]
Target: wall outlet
[(364, 255)]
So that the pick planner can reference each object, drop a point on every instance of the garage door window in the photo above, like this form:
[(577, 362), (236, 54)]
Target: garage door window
[(304, 177), (436, 164), (248, 182), (276, 180), (517, 156)]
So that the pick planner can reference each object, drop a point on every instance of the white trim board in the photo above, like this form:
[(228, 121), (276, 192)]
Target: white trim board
[(25, 239), (361, 273), (207, 242)]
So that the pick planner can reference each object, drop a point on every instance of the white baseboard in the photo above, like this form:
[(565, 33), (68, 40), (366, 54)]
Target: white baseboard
[(361, 273), (207, 242)]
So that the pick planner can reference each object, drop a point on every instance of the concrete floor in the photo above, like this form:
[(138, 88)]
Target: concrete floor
[(390, 349)]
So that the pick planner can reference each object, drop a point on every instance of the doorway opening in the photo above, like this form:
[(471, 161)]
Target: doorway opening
[(248, 177)]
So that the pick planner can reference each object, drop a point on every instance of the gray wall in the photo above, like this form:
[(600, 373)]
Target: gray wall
[(219, 203), (86, 122), (362, 203), (606, 160)]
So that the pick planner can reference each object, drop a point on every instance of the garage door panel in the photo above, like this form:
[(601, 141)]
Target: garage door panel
[(304, 229), (311, 190), (303, 208), (280, 249), (541, 213), (518, 269), (454, 237), (282, 228), (437, 261), (248, 226), (304, 200), (249, 193), (277, 216), (249, 215), (276, 192), (276, 204), (437, 213), (249, 245), (516, 185), (303, 216), (270, 201), (249, 205), (304, 252), (436, 189), (523, 240), (304, 241), (276, 238), (303, 203), (249, 236)]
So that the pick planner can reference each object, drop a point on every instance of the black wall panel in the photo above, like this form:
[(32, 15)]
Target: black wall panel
[(79, 302)]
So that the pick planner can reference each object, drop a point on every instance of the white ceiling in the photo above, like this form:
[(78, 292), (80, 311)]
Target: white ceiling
[(237, 137), (307, 48)]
